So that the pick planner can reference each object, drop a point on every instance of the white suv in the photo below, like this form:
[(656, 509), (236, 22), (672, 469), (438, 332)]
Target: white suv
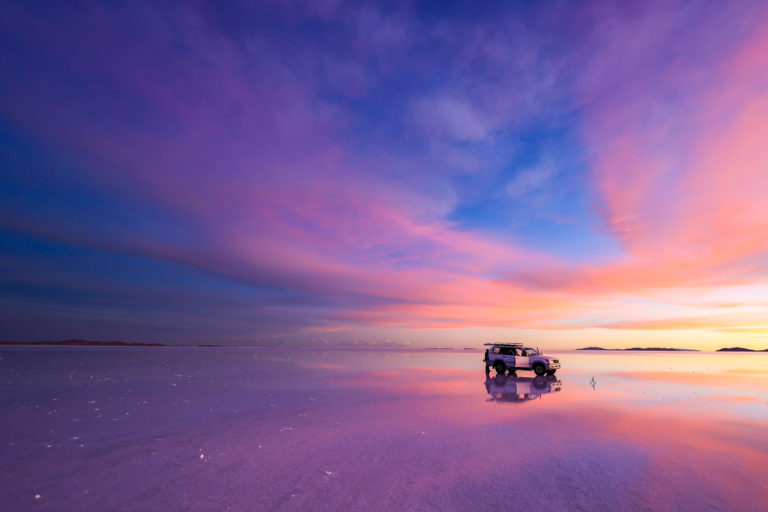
[(515, 356)]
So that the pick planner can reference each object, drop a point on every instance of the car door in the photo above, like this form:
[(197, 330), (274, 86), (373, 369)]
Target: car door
[(522, 360), (507, 355)]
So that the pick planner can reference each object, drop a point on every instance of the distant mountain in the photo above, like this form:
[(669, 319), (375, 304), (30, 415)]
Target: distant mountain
[(651, 349), (84, 343), (740, 349), (88, 343)]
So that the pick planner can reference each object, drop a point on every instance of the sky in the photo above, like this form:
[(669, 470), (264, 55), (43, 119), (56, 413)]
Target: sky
[(391, 174)]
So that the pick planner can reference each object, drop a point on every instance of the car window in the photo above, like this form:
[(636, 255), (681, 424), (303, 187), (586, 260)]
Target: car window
[(496, 350)]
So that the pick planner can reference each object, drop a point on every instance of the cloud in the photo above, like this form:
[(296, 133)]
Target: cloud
[(452, 118), (531, 179), (723, 323), (329, 174)]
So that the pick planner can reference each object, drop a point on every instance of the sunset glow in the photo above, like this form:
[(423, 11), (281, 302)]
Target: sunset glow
[(358, 174)]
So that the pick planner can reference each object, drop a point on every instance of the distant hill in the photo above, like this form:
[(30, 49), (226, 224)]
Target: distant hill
[(89, 343), (740, 349), (650, 349), (83, 343)]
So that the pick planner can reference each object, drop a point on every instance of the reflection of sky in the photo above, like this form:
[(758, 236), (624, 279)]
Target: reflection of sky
[(331, 430), (701, 384)]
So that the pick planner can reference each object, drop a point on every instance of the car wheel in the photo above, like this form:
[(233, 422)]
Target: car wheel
[(539, 369), (499, 367)]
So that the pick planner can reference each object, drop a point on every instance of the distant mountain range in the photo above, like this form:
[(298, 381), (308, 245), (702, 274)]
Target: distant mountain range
[(650, 349), (740, 349), (87, 343), (665, 349)]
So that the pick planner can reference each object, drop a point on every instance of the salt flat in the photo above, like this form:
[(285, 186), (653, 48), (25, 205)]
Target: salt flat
[(257, 429)]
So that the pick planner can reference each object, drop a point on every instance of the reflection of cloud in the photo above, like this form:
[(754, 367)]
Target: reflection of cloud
[(752, 379), (748, 371), (729, 398), (411, 383)]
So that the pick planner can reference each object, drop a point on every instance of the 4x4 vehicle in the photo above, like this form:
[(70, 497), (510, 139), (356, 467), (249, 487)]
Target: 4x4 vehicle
[(516, 356)]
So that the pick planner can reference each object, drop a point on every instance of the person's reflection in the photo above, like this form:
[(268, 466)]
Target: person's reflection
[(514, 389)]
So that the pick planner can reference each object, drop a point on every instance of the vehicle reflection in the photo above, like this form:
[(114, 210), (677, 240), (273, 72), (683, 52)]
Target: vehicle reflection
[(514, 389)]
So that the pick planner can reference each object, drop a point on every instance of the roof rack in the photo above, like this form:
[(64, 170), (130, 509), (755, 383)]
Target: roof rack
[(503, 344)]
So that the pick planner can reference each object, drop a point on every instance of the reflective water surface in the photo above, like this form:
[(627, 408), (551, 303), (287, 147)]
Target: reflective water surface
[(239, 429)]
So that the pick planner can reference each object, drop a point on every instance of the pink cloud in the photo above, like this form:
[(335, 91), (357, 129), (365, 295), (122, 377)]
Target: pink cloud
[(680, 182)]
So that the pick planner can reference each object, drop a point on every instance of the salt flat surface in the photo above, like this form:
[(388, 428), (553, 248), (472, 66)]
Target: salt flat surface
[(236, 429)]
